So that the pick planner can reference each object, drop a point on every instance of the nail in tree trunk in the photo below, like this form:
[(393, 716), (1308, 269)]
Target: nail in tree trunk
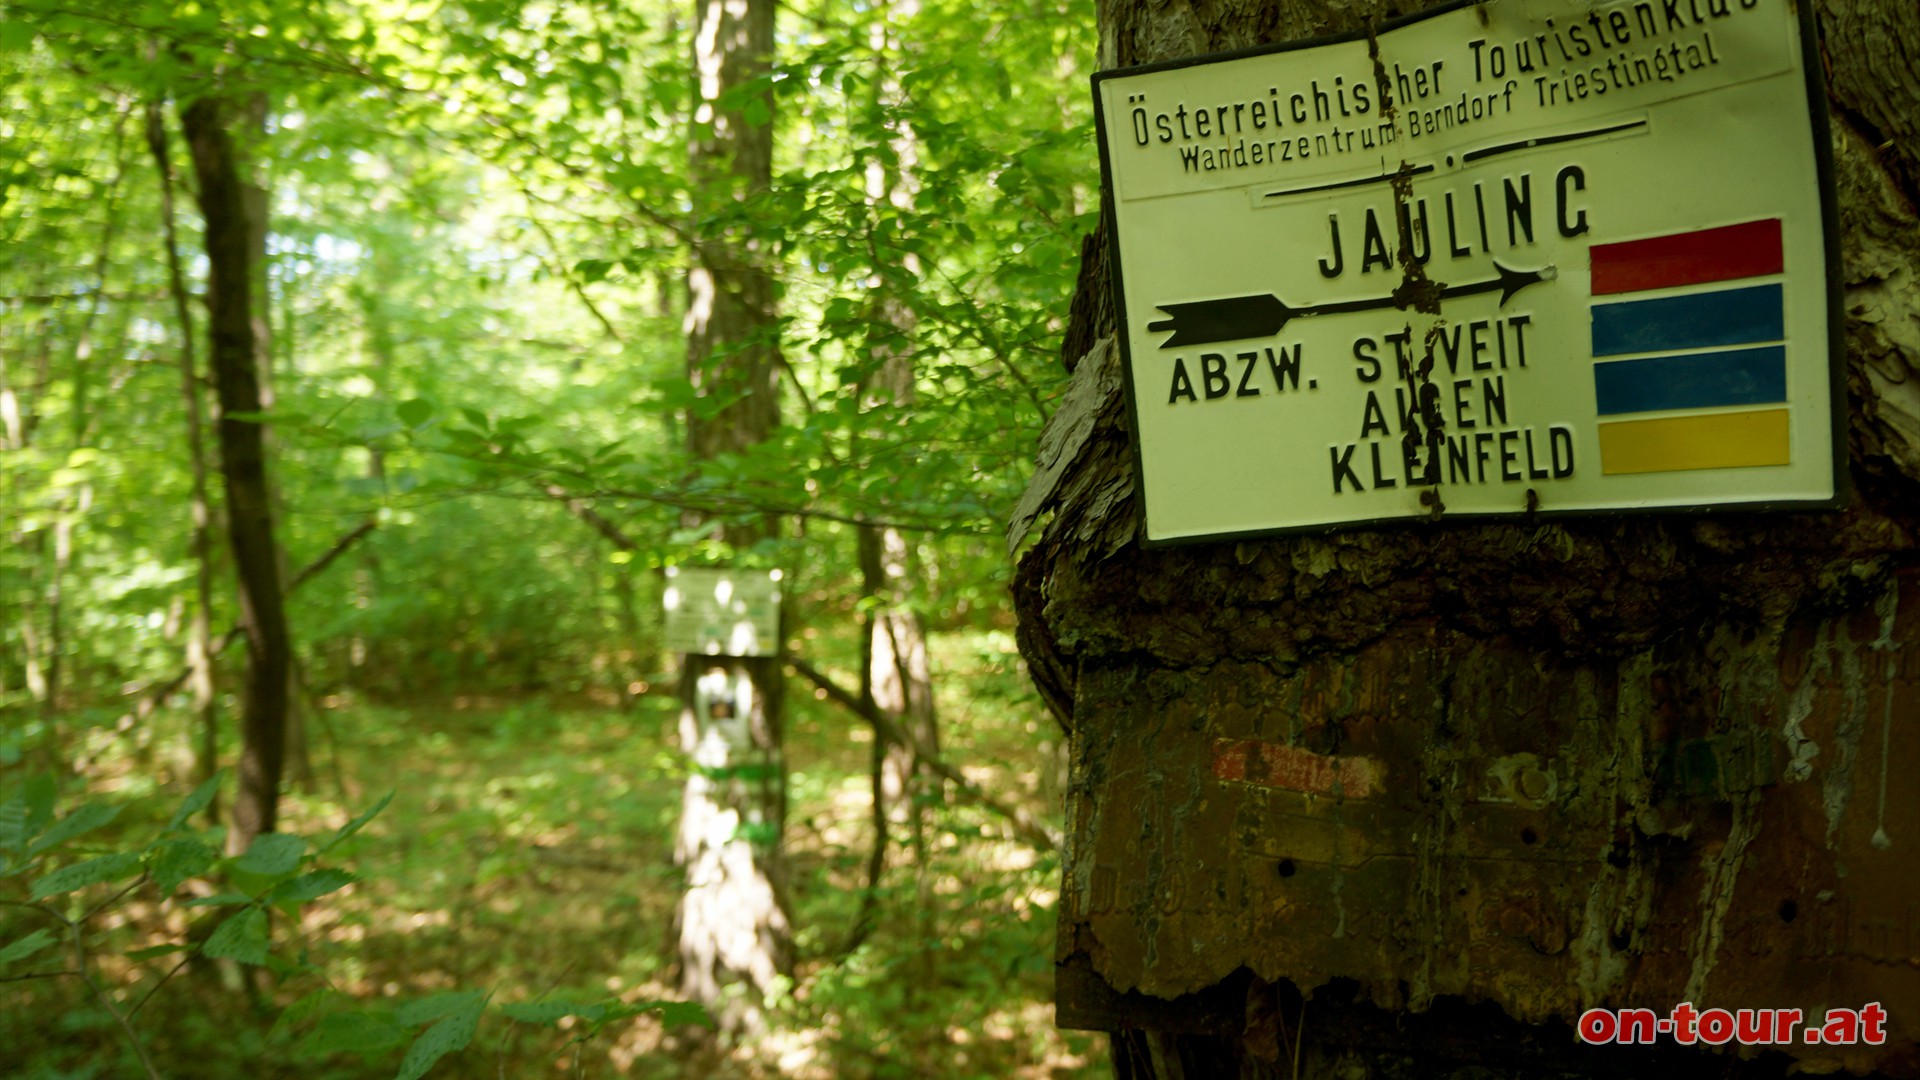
[(1623, 762), (732, 923), (243, 468)]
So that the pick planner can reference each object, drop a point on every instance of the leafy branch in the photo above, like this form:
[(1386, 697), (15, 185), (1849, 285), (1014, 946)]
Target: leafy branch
[(278, 873)]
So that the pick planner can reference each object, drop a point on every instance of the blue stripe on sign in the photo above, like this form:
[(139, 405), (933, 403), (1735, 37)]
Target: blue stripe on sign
[(1693, 381), (1693, 321)]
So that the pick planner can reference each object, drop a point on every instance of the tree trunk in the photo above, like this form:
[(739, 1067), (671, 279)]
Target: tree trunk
[(243, 470), (206, 720), (898, 680), (734, 932), (1380, 800), (74, 504), (256, 199)]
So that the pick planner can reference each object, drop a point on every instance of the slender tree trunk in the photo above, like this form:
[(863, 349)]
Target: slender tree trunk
[(14, 411), (733, 926), (45, 649), (256, 202), (243, 469), (380, 346), (206, 719), (864, 919), (899, 684), (50, 550), (898, 676), (75, 503), (635, 659), (1622, 762)]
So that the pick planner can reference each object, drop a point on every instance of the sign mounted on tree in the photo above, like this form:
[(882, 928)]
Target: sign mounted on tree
[(721, 612), (1500, 258)]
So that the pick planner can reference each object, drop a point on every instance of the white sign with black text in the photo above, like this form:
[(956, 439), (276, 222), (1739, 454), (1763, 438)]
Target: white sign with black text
[(1510, 257), (718, 611)]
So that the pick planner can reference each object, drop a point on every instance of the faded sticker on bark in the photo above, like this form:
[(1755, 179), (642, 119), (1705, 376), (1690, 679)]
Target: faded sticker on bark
[(1289, 768)]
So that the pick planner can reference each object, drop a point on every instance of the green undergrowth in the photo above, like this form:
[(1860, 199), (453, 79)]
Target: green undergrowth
[(520, 882)]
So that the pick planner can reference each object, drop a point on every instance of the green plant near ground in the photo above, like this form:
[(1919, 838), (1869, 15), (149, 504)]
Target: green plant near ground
[(55, 869)]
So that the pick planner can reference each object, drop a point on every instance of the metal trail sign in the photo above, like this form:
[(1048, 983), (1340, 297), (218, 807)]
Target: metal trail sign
[(1509, 257)]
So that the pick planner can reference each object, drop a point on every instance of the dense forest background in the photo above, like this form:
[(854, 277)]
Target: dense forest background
[(474, 224)]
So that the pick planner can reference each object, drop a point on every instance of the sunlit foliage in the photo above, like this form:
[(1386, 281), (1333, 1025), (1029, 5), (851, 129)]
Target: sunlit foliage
[(479, 231)]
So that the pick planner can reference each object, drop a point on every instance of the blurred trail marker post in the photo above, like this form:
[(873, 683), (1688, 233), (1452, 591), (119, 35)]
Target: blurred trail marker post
[(725, 623), (1501, 259)]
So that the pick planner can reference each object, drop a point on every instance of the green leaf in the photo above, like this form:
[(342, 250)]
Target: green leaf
[(41, 791), (287, 969), (672, 1013), (272, 854), (436, 1007), (681, 1013), (201, 798), (540, 1012), (174, 861), (353, 1032), (356, 824), (219, 900), (310, 886), (443, 1038), (91, 872), (299, 1011), (414, 411), (15, 36), (84, 820), (13, 823), (27, 946), (243, 937)]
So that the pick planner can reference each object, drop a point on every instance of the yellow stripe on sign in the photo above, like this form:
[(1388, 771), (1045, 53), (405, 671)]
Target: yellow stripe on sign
[(1672, 444)]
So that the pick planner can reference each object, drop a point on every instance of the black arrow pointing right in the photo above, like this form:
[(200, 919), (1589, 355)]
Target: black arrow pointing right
[(1234, 318)]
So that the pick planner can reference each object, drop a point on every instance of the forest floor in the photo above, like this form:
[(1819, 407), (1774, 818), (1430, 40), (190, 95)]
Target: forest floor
[(527, 853)]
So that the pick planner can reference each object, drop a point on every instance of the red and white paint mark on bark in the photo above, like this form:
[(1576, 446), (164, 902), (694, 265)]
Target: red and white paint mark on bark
[(1290, 768)]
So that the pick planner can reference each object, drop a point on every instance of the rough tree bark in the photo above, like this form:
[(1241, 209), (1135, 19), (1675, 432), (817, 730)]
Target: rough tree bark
[(734, 933), (1640, 761), (243, 468)]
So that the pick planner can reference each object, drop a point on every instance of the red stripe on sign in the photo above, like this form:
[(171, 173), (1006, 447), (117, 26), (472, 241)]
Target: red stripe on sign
[(1290, 768), (1750, 249)]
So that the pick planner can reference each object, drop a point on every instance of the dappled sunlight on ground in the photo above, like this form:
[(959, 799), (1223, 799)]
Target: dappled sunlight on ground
[(527, 853)]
